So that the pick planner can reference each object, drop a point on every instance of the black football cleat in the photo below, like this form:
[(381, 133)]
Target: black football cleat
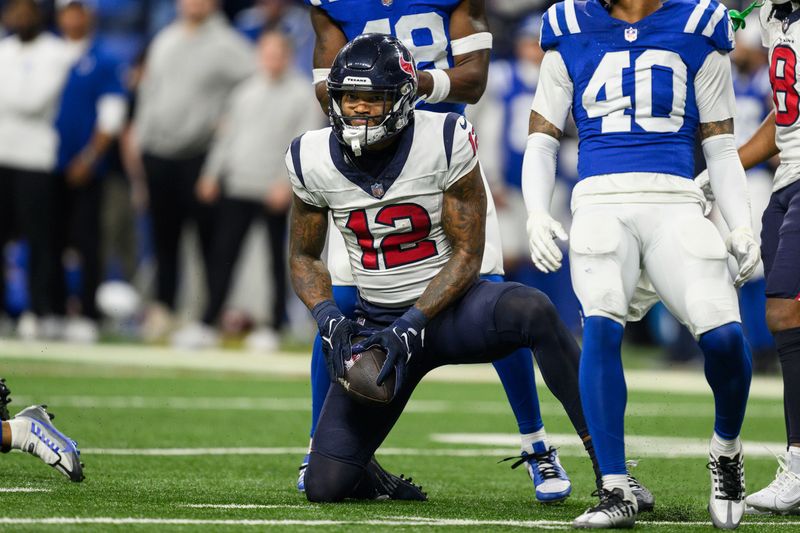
[(378, 484)]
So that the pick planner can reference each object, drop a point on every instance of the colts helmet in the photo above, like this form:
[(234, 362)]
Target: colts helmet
[(375, 63)]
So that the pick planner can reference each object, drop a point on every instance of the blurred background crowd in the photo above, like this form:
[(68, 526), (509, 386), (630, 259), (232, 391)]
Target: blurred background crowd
[(143, 193)]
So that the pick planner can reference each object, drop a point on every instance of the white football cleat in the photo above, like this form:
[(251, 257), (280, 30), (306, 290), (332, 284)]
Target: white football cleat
[(614, 511), (81, 330), (195, 336), (48, 444), (782, 495), (263, 340), (726, 504)]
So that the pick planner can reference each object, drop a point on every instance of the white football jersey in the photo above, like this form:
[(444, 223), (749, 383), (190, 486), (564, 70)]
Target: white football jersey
[(783, 40), (392, 225)]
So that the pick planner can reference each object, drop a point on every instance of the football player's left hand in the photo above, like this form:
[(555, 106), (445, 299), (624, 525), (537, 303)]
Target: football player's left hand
[(704, 182), (542, 232), (743, 246), (402, 340)]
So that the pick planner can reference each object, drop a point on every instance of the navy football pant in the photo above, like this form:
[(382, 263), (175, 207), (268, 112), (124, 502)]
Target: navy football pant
[(489, 322), (515, 372)]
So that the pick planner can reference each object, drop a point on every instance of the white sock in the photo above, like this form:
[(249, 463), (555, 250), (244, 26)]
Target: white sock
[(720, 446), (529, 438), (618, 481), (19, 432), (794, 459)]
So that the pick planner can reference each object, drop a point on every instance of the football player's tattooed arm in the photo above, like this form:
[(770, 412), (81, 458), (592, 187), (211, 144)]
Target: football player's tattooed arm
[(308, 229), (538, 124), (464, 223), (761, 146), (468, 76), (329, 40), (710, 129)]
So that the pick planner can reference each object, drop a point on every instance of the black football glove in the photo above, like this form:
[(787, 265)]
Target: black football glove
[(401, 341), (336, 331)]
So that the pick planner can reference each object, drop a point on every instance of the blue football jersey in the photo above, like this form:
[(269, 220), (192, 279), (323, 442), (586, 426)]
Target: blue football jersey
[(634, 96), (422, 25)]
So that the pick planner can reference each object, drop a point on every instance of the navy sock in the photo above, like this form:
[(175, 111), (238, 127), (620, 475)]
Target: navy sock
[(603, 391), (516, 374), (728, 369), (788, 344)]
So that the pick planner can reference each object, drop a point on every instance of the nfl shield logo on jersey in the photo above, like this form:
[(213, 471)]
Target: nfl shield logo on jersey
[(387, 3), (631, 34), (377, 188)]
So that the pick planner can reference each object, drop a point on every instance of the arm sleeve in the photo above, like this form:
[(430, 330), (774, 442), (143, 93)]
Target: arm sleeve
[(464, 151), (553, 99), (294, 169), (539, 172), (713, 89)]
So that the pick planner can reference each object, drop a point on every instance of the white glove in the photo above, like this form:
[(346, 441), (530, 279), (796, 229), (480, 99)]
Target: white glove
[(742, 245), (542, 232), (703, 181)]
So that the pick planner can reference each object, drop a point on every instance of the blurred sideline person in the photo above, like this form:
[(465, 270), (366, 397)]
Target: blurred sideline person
[(32, 431), (92, 114), (34, 66), (288, 16), (246, 177), (191, 67)]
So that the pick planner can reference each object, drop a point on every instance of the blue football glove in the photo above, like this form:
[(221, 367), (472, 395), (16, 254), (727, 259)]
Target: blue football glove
[(401, 341), (336, 331)]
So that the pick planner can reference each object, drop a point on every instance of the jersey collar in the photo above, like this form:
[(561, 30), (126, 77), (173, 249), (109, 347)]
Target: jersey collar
[(375, 186)]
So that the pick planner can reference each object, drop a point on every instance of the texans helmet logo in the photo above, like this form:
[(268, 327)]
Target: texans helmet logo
[(407, 66)]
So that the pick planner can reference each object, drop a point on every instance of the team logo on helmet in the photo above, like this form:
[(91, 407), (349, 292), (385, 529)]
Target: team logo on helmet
[(407, 66), (631, 34)]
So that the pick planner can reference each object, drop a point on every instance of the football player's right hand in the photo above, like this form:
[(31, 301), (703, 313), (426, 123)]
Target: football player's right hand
[(403, 339), (542, 232), (336, 331), (743, 246), (704, 182)]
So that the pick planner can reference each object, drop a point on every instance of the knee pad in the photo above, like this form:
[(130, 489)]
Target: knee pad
[(329, 480), (594, 245)]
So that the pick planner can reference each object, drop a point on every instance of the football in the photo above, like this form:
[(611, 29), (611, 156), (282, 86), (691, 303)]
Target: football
[(360, 374)]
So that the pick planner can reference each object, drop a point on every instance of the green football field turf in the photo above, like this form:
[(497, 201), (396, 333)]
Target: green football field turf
[(169, 450)]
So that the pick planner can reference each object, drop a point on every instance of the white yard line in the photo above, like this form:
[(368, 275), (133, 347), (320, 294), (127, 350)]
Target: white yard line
[(393, 521), (284, 364), (497, 445), (635, 445), (634, 409), (23, 489)]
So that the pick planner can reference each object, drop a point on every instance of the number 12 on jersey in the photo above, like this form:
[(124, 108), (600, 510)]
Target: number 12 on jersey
[(608, 76), (397, 249)]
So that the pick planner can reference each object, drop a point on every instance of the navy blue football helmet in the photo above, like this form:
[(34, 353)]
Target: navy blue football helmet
[(372, 62)]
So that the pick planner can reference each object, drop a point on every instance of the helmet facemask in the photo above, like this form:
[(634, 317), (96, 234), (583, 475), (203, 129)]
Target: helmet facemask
[(397, 109)]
